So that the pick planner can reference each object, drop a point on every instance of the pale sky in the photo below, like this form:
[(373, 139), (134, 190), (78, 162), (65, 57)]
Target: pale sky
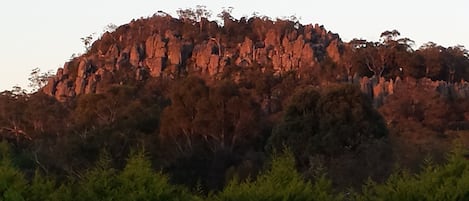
[(45, 33)]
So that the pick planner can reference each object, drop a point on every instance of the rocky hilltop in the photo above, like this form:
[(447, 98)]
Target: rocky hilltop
[(165, 47), (212, 102)]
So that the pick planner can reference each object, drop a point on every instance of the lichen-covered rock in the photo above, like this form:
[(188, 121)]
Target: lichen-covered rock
[(155, 65), (123, 61), (246, 48), (202, 54), (276, 61), (390, 87), (155, 47), (272, 39), (64, 90), (82, 68), (298, 46), (80, 85), (51, 87), (91, 84), (105, 80), (308, 58), (333, 50), (113, 51), (213, 65), (246, 53), (66, 68), (174, 51), (137, 54)]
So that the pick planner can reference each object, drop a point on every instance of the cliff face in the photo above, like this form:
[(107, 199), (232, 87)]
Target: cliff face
[(165, 47)]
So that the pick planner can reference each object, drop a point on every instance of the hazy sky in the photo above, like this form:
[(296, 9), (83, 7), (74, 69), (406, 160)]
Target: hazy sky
[(46, 33)]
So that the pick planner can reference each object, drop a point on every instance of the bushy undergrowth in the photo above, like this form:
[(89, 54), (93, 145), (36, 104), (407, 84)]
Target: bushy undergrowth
[(279, 181), (435, 182)]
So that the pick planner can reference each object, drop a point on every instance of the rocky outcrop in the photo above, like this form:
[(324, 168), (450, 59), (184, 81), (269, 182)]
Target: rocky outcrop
[(206, 58), (140, 50), (155, 54), (333, 50), (379, 89)]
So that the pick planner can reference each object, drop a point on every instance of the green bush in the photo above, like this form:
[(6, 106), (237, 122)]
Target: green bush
[(137, 181), (41, 188), (13, 185), (337, 120), (444, 182), (99, 183), (280, 182)]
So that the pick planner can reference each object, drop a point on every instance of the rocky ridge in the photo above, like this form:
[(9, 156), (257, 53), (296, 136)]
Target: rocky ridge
[(165, 47)]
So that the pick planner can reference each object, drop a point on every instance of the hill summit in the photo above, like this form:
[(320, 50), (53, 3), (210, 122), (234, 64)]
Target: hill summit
[(165, 47)]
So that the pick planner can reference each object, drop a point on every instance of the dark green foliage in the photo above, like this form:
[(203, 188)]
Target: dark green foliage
[(435, 182), (299, 125), (281, 181), (138, 181), (100, 182), (336, 128), (337, 120), (68, 137), (43, 188), (13, 185), (346, 120)]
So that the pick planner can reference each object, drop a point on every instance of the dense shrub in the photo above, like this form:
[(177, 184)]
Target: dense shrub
[(281, 181), (332, 122), (436, 182)]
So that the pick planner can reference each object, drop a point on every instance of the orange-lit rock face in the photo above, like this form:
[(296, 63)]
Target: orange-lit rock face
[(166, 47), (172, 47)]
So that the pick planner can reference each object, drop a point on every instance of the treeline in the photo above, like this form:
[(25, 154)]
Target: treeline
[(395, 56), (278, 181)]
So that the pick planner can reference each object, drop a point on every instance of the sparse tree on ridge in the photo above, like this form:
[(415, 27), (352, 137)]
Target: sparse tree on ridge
[(199, 14), (386, 58), (225, 15), (87, 41), (110, 28), (38, 79)]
